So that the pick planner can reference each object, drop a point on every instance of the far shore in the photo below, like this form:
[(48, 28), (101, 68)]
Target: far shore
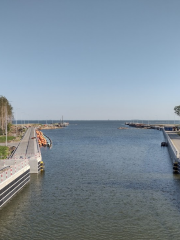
[(18, 131)]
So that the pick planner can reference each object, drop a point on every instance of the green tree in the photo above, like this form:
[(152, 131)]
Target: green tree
[(177, 110), (6, 113)]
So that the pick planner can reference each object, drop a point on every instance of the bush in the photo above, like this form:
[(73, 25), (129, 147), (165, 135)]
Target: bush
[(4, 152)]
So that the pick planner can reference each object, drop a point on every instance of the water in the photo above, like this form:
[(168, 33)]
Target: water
[(100, 183)]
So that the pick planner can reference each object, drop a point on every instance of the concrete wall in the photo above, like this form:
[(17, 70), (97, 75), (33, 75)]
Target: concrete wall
[(171, 148), (11, 168), (34, 163), (10, 186)]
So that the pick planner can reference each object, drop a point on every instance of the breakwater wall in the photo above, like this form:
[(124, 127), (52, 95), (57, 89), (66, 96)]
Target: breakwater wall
[(142, 125), (172, 149), (29, 149), (173, 152), (14, 175), (15, 171)]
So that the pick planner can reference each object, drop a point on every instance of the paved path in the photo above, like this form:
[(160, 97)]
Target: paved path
[(28, 145), (32, 143), (175, 139)]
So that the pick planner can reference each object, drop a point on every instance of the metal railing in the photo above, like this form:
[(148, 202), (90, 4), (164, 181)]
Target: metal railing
[(8, 171), (25, 153), (14, 152)]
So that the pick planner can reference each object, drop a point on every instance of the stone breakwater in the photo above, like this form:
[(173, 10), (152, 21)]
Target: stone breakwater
[(171, 127)]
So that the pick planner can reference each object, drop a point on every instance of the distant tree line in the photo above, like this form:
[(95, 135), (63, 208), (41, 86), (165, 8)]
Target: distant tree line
[(6, 114)]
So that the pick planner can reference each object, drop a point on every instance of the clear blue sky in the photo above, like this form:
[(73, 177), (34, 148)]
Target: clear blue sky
[(90, 59)]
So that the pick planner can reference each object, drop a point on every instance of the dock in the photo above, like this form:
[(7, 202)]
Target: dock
[(175, 138), (29, 149), (15, 171), (172, 140)]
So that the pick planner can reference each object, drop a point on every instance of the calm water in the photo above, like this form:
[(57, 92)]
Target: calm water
[(99, 183)]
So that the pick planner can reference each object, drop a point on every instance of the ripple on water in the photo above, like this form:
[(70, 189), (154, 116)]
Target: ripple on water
[(99, 183)]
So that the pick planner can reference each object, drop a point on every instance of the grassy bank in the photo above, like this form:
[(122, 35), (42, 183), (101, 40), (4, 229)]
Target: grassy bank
[(4, 152), (3, 138)]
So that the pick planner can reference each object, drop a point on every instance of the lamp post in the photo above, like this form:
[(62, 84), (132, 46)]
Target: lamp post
[(6, 121), (16, 120), (1, 108), (6, 124)]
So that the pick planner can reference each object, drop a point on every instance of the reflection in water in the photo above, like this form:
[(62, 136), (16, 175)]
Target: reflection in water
[(99, 183)]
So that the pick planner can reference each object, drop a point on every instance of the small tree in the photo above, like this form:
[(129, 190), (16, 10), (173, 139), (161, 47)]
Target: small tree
[(177, 110), (6, 114)]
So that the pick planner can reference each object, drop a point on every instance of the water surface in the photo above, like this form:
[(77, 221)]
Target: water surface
[(99, 183)]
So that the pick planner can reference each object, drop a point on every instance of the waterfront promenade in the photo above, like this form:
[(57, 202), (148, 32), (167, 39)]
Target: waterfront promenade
[(27, 148), (28, 145)]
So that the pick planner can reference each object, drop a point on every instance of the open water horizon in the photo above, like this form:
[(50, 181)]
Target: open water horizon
[(99, 183)]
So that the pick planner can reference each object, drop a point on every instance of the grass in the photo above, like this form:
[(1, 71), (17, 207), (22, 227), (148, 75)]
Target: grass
[(3, 138), (4, 152)]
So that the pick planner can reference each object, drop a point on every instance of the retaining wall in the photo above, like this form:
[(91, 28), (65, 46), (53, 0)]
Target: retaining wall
[(173, 152), (12, 178)]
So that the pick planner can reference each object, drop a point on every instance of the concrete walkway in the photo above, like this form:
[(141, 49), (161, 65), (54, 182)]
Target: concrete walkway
[(175, 138), (28, 145)]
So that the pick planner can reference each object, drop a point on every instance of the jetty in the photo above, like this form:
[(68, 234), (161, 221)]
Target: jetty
[(146, 126), (173, 143), (28, 148), (172, 140), (15, 171)]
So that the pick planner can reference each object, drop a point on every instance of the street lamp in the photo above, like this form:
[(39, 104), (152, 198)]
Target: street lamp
[(6, 122), (16, 120)]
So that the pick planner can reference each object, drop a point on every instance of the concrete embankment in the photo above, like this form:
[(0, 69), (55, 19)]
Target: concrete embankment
[(29, 149), (173, 140), (152, 126), (15, 171), (14, 175)]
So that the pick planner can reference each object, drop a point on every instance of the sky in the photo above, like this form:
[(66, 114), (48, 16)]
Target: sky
[(90, 59)]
